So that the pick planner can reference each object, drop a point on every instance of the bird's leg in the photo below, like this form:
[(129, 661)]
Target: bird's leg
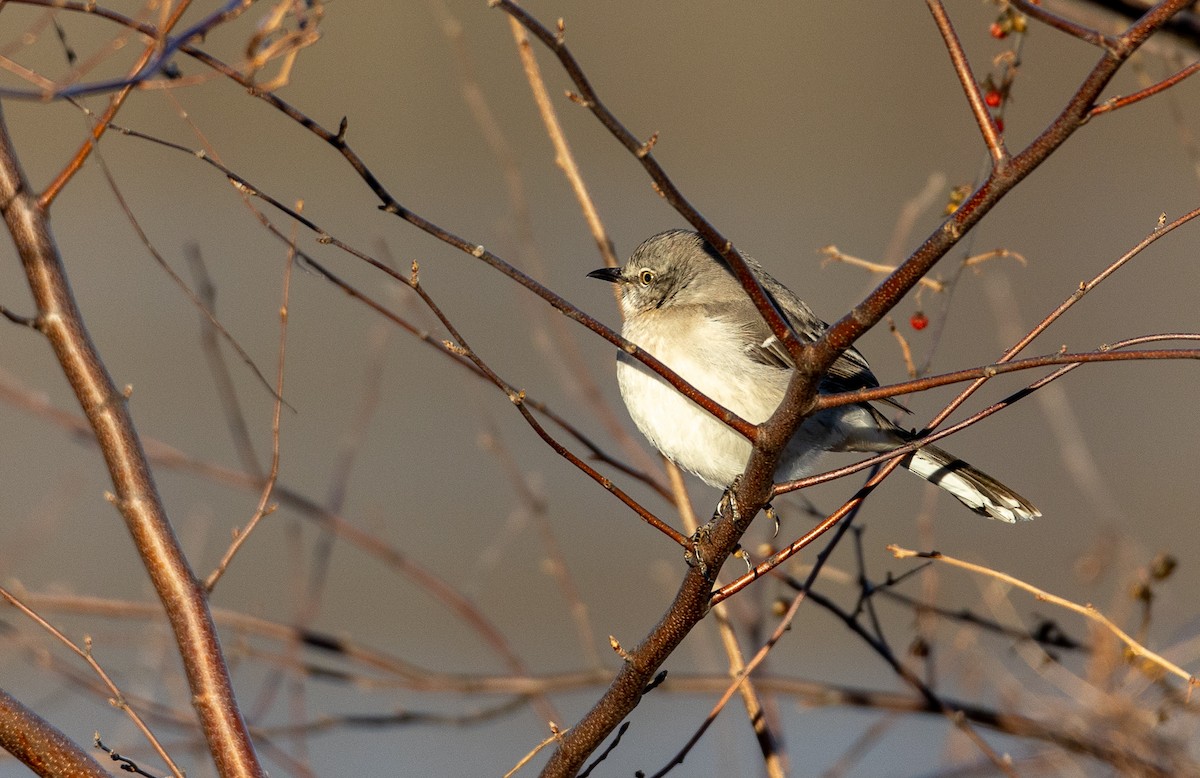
[(700, 538), (694, 555)]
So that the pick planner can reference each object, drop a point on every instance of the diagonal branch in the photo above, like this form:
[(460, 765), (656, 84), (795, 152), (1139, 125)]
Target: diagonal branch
[(663, 185), (1132, 646), (42, 748), (136, 495), (962, 68), (999, 182), (690, 604), (117, 698)]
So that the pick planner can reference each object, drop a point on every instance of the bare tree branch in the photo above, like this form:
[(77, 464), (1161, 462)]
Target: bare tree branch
[(136, 495), (39, 746)]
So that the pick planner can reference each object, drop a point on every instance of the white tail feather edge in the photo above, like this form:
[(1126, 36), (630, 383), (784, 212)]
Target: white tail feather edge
[(973, 488)]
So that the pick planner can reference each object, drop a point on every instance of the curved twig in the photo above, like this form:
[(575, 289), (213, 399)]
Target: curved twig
[(1134, 647)]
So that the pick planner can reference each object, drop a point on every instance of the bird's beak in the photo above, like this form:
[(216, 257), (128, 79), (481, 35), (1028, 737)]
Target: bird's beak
[(610, 274)]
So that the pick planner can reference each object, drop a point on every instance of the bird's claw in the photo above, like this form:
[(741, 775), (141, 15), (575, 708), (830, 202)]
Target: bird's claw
[(700, 539), (744, 555), (769, 510)]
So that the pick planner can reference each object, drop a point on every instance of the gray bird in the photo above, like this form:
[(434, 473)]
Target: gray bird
[(683, 304)]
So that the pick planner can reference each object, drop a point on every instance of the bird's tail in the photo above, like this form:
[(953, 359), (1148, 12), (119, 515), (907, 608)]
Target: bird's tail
[(973, 488)]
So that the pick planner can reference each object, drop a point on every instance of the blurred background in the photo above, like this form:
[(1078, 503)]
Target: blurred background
[(791, 126)]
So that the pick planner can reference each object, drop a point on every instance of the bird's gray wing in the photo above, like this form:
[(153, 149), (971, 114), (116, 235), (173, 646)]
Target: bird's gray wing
[(849, 371)]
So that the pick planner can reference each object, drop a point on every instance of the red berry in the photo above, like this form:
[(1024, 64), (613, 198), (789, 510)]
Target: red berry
[(918, 321), (998, 31), (999, 124), (993, 98)]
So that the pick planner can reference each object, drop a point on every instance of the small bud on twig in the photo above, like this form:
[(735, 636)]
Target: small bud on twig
[(645, 148)]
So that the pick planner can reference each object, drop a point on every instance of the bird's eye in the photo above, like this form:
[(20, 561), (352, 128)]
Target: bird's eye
[(646, 277)]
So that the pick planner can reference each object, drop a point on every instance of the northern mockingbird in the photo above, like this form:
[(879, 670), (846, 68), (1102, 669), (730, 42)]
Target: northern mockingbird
[(683, 305)]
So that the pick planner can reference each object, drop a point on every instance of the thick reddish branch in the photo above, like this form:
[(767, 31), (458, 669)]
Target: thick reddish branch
[(40, 746), (136, 496)]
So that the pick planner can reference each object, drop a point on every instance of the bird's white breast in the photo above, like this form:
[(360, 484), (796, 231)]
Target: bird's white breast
[(708, 354)]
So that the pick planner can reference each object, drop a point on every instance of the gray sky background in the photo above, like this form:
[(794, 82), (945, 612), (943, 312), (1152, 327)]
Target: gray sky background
[(791, 126)]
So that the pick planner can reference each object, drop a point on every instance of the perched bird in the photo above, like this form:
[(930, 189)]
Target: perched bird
[(683, 304)]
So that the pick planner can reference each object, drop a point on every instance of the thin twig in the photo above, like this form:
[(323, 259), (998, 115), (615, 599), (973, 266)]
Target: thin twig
[(970, 85), (1086, 34), (984, 373), (136, 494), (775, 762), (218, 368), (555, 735), (264, 507), (562, 150), (834, 254), (905, 350), (517, 398), (879, 646), (1077, 295), (152, 51), (1134, 647), (781, 629), (1116, 103), (118, 697)]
